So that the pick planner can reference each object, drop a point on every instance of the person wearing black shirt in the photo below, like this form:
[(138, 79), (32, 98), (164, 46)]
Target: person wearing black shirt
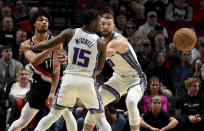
[(157, 119), (192, 107)]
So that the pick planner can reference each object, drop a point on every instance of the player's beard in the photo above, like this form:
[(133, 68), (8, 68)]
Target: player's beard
[(106, 34)]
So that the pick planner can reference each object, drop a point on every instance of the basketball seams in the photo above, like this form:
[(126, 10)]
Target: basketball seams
[(185, 39)]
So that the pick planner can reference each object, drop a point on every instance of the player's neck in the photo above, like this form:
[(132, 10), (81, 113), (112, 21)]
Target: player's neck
[(108, 38), (40, 36)]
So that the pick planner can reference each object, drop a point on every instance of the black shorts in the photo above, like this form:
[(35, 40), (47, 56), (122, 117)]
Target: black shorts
[(38, 94)]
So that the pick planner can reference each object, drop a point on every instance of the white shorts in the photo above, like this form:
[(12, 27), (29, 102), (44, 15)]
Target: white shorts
[(82, 87), (119, 85)]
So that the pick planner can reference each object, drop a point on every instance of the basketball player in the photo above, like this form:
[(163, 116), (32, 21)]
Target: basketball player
[(46, 71), (127, 77), (86, 57)]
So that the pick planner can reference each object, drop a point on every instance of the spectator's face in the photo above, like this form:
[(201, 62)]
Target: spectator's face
[(156, 105), (193, 88), (160, 59), (41, 24), (23, 77), (114, 3), (186, 56), (129, 29), (1, 4), (7, 54), (152, 20), (160, 41), (154, 86), (146, 48), (20, 37), (6, 12), (106, 27), (7, 24), (121, 19), (19, 5)]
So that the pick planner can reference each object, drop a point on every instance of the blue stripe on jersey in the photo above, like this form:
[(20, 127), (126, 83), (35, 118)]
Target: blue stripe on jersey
[(94, 71), (128, 56)]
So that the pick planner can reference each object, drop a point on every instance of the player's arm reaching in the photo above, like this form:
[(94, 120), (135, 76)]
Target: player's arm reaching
[(119, 44), (55, 72), (102, 56), (64, 36), (33, 58)]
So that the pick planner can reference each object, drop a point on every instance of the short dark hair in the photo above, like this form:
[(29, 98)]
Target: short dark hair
[(37, 15), (88, 16), (6, 47)]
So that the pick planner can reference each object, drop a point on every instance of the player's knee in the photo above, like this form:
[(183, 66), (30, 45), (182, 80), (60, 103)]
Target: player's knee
[(131, 101)]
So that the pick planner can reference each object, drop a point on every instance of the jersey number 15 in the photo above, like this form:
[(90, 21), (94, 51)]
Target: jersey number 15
[(79, 57)]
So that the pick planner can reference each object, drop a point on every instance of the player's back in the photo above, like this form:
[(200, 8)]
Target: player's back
[(82, 53)]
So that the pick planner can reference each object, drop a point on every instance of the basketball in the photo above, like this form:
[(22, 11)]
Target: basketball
[(185, 39)]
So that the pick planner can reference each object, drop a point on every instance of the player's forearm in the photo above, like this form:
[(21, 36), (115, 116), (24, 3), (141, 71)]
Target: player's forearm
[(41, 57), (55, 80), (46, 44)]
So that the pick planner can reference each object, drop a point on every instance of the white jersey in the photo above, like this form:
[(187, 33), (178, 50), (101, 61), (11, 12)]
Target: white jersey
[(125, 64), (82, 53)]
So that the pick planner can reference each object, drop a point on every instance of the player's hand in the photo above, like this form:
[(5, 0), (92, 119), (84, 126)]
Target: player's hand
[(51, 98), (62, 57), (154, 129), (25, 47)]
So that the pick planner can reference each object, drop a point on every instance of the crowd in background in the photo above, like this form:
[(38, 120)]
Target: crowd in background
[(175, 77)]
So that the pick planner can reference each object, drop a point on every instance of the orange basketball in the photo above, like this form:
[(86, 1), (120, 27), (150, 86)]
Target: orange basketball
[(185, 39)]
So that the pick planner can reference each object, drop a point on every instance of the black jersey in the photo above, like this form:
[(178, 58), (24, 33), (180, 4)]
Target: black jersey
[(43, 72)]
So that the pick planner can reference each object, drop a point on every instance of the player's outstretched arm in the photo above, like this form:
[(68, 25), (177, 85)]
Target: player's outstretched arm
[(64, 36)]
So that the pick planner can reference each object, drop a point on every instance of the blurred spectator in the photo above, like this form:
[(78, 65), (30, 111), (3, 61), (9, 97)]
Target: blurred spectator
[(198, 16), (116, 119), (113, 6), (139, 18), (196, 66), (137, 40), (181, 72), (129, 31), (153, 88), (160, 43), (156, 5), (121, 20), (201, 76), (21, 36), (8, 66), (173, 56), (156, 119), (25, 25), (3, 106), (144, 55), (5, 12), (198, 51), (1, 3), (19, 88), (7, 33), (149, 26), (192, 107), (160, 67), (20, 13), (179, 10), (100, 5)]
